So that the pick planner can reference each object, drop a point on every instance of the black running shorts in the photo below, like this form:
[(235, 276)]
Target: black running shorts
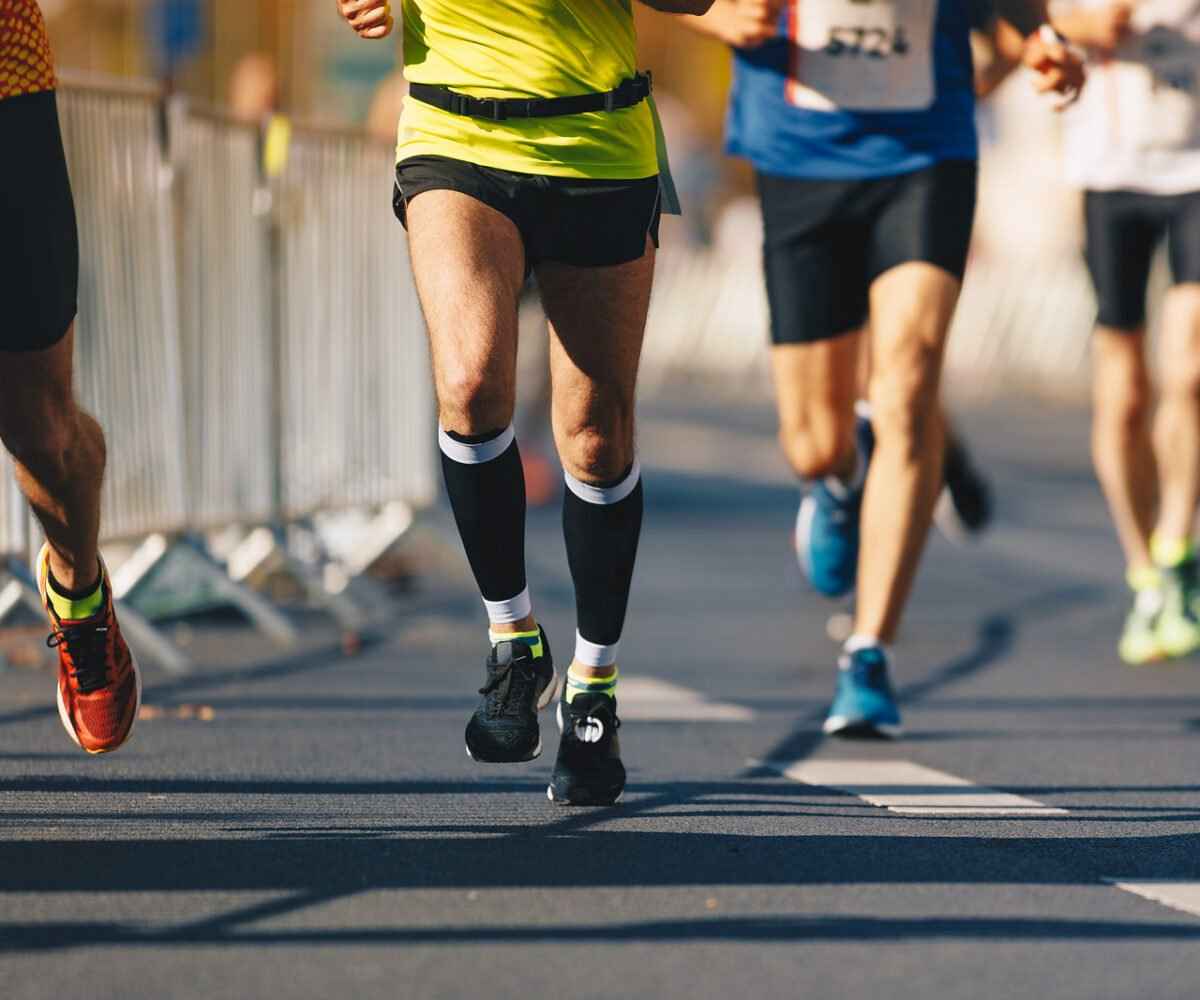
[(587, 223), (824, 242), (1123, 230), (39, 246)]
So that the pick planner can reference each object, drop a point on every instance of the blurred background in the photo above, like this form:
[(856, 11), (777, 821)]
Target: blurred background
[(295, 57)]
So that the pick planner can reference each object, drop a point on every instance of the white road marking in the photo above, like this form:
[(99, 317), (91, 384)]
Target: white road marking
[(649, 699), (911, 789), (1183, 896)]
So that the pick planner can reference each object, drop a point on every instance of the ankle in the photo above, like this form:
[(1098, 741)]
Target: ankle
[(526, 624)]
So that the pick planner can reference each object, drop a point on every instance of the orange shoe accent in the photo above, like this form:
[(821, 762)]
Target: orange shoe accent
[(99, 686)]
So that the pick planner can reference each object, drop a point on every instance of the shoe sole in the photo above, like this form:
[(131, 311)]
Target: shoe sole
[(861, 729), (543, 703), (63, 715)]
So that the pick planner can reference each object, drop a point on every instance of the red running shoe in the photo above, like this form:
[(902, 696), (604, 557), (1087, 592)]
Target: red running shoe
[(99, 687)]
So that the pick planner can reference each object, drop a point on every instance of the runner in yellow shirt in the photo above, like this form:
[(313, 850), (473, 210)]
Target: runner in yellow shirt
[(58, 449), (528, 144)]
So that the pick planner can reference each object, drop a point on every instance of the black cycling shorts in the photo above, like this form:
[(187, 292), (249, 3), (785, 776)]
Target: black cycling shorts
[(825, 242), (1123, 230), (39, 245), (587, 223)]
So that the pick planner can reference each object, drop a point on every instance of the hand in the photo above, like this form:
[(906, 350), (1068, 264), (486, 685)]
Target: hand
[(1056, 67), (1109, 25), (368, 18), (745, 24)]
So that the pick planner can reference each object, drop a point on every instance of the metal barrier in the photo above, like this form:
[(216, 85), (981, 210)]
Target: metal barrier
[(353, 342)]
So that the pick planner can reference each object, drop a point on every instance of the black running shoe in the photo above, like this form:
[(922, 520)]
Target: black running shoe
[(588, 771), (504, 728), (964, 510)]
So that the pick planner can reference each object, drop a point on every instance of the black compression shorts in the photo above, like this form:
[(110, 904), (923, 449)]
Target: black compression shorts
[(1123, 230), (587, 223), (39, 246), (826, 241)]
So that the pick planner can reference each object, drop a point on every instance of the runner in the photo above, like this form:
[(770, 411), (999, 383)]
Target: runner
[(859, 120), (1133, 146), (528, 144), (58, 449)]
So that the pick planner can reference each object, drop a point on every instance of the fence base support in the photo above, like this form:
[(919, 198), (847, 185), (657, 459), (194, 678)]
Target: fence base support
[(264, 549), (129, 583)]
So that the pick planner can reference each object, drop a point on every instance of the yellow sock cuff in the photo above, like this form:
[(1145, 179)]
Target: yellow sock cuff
[(1142, 578), (1169, 552), (604, 684), (75, 609), (532, 639)]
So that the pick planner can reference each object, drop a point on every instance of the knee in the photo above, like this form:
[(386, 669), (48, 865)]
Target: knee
[(473, 401), (905, 403), (1123, 401), (817, 446), (597, 448)]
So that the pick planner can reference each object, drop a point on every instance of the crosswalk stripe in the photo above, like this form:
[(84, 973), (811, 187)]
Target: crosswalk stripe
[(1178, 895), (652, 700), (909, 789)]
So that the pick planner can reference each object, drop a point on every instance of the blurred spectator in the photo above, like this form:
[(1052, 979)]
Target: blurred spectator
[(254, 88)]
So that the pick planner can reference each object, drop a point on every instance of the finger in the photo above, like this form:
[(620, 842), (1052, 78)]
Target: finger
[(379, 31), (349, 8), (371, 18)]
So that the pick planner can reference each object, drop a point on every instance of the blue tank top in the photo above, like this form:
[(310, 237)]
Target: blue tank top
[(784, 136)]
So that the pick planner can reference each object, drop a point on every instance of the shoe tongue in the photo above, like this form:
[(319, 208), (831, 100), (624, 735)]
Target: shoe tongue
[(508, 651)]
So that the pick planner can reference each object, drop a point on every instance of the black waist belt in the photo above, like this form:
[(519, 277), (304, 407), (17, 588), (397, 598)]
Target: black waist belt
[(630, 92)]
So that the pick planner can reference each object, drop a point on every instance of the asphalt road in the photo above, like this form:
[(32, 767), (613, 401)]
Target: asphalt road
[(311, 827)]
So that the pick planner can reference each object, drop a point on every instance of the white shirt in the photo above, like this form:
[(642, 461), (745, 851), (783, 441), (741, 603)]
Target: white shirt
[(1137, 123)]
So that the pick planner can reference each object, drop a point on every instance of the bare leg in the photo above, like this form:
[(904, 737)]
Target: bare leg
[(1177, 427), (815, 389), (597, 320), (911, 309), (1121, 444), (59, 453), (468, 263)]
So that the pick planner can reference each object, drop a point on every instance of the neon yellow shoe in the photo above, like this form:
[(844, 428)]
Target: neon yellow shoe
[(1139, 641), (1178, 628)]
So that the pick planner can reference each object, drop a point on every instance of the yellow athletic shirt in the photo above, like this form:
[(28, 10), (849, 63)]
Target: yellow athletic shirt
[(527, 48)]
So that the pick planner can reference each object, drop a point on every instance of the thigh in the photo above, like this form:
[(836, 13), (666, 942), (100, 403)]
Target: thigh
[(597, 320), (39, 248), (926, 217), (468, 265), (813, 259), (816, 385), (912, 305), (1121, 235)]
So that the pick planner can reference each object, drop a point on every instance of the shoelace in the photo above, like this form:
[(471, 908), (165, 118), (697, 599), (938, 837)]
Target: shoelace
[(87, 648), (501, 684)]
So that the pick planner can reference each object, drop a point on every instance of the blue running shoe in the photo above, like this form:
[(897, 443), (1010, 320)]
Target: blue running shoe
[(827, 527), (864, 705)]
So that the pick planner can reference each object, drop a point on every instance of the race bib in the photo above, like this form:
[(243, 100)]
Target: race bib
[(1158, 76), (861, 55)]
